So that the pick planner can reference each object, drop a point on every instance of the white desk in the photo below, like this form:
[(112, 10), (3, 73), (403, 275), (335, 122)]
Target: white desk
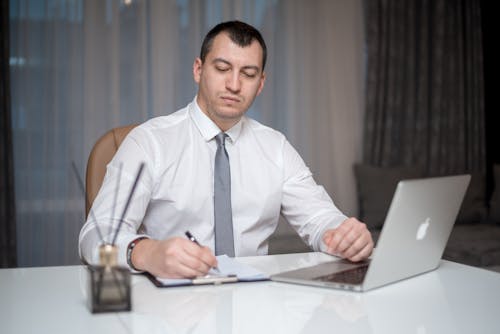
[(453, 299)]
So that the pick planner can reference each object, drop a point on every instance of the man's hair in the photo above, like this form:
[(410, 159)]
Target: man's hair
[(239, 32)]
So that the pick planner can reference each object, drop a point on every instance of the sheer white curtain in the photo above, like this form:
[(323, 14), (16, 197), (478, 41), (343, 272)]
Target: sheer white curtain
[(81, 67)]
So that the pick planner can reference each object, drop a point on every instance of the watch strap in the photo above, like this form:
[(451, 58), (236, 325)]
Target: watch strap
[(130, 248)]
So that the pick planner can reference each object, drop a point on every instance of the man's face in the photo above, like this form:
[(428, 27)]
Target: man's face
[(229, 80)]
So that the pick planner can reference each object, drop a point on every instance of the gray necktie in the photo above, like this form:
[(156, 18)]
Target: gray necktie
[(224, 243)]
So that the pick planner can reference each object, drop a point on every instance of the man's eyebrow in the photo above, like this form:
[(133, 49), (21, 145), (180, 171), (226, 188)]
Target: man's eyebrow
[(246, 67), (221, 60), (252, 67)]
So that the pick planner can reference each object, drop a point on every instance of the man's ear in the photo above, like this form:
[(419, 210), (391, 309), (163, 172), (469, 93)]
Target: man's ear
[(197, 65), (262, 81)]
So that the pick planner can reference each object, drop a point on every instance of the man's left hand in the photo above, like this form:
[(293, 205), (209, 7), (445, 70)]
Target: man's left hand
[(350, 240)]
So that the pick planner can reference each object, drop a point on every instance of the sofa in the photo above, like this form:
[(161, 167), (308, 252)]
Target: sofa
[(475, 238)]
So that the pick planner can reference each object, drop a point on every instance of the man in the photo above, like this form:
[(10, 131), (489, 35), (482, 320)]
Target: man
[(177, 191)]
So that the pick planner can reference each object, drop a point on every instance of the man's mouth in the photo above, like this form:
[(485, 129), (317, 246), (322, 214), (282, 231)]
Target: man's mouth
[(230, 99)]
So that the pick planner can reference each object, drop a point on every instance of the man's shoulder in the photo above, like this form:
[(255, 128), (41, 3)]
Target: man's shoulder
[(262, 130), (160, 131), (164, 122), (161, 126)]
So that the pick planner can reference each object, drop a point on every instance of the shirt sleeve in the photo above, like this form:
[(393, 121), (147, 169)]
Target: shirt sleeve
[(104, 216), (305, 204)]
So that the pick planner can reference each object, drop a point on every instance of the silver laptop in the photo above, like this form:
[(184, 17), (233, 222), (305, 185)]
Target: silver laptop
[(412, 240)]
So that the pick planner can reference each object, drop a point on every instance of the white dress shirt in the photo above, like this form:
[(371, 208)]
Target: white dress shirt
[(175, 192)]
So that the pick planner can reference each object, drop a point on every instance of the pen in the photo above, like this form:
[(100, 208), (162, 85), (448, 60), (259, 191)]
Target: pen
[(193, 239)]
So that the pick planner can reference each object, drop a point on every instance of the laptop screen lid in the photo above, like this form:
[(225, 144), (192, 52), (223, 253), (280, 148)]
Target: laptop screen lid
[(412, 240), (416, 229)]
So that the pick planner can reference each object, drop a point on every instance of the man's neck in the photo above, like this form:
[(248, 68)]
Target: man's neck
[(223, 124)]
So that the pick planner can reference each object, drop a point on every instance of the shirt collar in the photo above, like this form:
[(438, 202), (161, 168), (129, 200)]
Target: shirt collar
[(208, 128)]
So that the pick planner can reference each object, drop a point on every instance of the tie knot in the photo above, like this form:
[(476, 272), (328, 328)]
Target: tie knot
[(220, 138)]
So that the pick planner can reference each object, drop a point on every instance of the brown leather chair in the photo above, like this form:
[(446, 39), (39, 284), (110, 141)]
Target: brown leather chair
[(102, 153)]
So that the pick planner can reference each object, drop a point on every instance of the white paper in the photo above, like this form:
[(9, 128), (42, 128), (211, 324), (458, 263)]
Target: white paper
[(227, 267)]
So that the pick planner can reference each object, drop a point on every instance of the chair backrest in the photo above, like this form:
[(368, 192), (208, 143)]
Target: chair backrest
[(102, 153)]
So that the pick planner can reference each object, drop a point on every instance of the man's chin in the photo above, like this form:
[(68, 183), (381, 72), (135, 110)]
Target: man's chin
[(229, 114)]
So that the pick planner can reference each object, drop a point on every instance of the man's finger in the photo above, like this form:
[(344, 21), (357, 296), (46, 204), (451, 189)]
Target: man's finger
[(198, 258), (363, 254), (337, 242), (356, 246)]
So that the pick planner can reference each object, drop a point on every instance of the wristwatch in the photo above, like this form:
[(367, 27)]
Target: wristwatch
[(130, 248)]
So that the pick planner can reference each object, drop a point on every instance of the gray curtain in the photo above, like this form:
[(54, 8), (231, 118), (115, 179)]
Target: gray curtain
[(7, 209), (424, 89), (80, 67)]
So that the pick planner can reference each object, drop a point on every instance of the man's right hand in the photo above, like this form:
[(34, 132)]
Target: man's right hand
[(172, 258)]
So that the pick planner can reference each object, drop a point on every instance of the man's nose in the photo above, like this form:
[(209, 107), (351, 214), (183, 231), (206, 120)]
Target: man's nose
[(233, 83)]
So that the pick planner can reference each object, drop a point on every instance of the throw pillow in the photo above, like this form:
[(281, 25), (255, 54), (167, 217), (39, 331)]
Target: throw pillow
[(473, 209)]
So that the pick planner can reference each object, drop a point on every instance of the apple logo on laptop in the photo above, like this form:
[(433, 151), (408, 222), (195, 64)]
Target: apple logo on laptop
[(422, 229)]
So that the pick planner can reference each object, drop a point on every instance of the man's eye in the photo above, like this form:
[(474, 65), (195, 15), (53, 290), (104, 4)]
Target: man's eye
[(250, 74), (222, 69)]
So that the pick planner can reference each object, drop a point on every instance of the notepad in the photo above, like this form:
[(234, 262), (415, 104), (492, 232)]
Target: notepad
[(231, 271)]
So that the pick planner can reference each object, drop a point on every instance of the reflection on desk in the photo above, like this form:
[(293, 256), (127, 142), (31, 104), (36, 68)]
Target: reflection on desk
[(453, 299)]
